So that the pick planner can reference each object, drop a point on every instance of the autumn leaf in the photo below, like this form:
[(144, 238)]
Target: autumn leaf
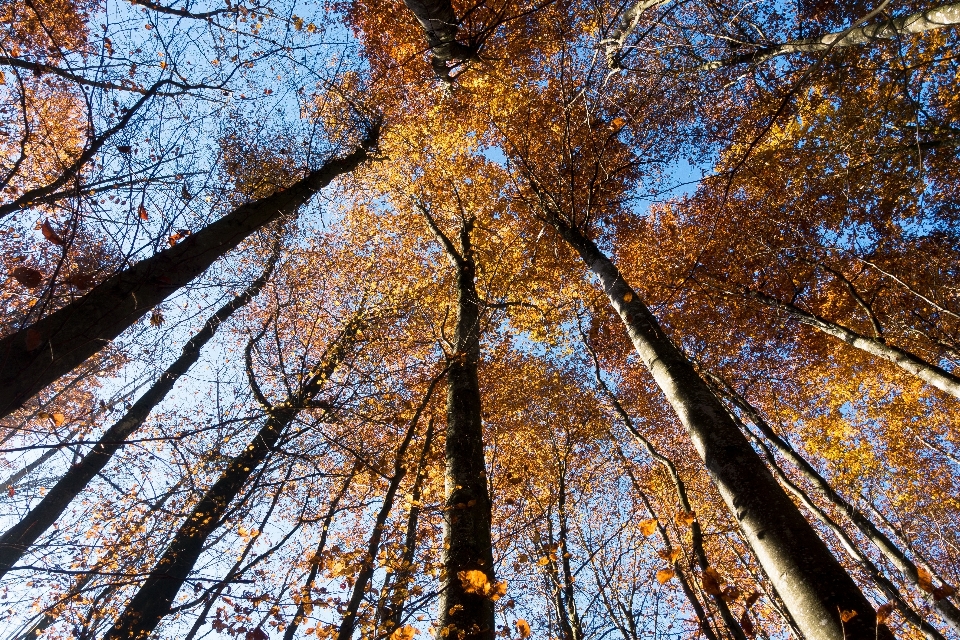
[(30, 278), (670, 554), (80, 280), (156, 319), (523, 628), (664, 575), (142, 212), (747, 625), (58, 419), (685, 518), (711, 581), (847, 615), (729, 594), (405, 632), (925, 580), (50, 234), (751, 599), (883, 612), (943, 591), (647, 527), (628, 296), (476, 582)]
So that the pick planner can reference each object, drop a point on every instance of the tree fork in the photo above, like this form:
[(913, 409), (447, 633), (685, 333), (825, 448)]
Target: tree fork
[(37, 355), (815, 588)]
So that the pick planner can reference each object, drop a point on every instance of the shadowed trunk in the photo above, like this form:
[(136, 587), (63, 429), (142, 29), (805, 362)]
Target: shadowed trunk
[(15, 542), (154, 599), (464, 607), (36, 356), (812, 583), (440, 25)]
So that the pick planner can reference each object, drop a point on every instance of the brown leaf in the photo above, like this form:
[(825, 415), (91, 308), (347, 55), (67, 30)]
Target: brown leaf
[(30, 278), (669, 554), (665, 574), (747, 625), (729, 594), (142, 212), (883, 612), (924, 580), (944, 591), (156, 319), (50, 234), (711, 581), (81, 280), (32, 339), (685, 518), (751, 599)]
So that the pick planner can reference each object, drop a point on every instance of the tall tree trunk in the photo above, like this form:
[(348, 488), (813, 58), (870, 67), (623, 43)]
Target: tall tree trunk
[(15, 542), (37, 355), (153, 601), (812, 583), (440, 25), (464, 609), (368, 565), (929, 373), (885, 545)]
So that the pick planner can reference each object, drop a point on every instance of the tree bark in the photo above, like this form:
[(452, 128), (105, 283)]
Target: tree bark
[(812, 583), (154, 599), (466, 527), (929, 373), (440, 25), (885, 545), (37, 355), (15, 542)]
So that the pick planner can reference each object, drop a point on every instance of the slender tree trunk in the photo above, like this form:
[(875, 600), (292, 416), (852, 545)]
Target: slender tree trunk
[(305, 596), (440, 25), (563, 558), (812, 583), (17, 476), (35, 356), (392, 613), (929, 373), (154, 599), (466, 527), (349, 622), (885, 545), (15, 542)]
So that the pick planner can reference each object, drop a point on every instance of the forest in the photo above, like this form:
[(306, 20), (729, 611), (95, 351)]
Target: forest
[(421, 319)]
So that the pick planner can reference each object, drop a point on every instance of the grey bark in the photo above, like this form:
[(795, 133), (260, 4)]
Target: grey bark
[(809, 579), (616, 39), (70, 335), (440, 25), (929, 373), (936, 18), (466, 525), (18, 539), (885, 545)]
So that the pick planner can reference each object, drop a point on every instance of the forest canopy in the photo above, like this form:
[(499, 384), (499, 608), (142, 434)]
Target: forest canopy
[(564, 320)]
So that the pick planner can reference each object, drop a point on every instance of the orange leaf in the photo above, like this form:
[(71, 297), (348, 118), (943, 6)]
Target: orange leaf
[(647, 527), (924, 580), (142, 212), (670, 554), (685, 518), (664, 574), (847, 616), (58, 419), (523, 628), (30, 278), (729, 594), (883, 612), (751, 599), (50, 234)]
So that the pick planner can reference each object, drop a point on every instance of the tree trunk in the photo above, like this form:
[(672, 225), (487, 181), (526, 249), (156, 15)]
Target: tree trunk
[(929, 373), (15, 542), (155, 597), (37, 355), (466, 527), (440, 25), (812, 583), (891, 551)]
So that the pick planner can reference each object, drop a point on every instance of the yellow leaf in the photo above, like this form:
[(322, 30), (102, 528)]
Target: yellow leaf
[(647, 527), (883, 612), (628, 296), (670, 554), (405, 632), (924, 580), (523, 628), (685, 518), (664, 574), (847, 616), (543, 561), (59, 419)]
